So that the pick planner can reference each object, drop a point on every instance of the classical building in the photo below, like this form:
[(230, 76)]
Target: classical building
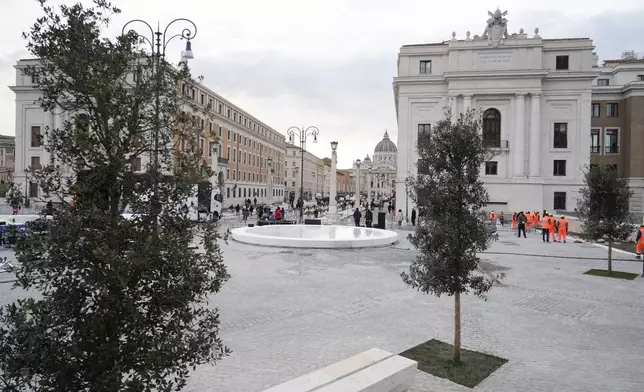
[(241, 144), (535, 98), (7, 147), (617, 122), (377, 176), (310, 181)]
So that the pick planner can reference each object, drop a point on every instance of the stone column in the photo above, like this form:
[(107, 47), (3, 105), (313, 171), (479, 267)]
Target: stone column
[(535, 136), (454, 105), (333, 205), (270, 183), (519, 136), (467, 103), (358, 186)]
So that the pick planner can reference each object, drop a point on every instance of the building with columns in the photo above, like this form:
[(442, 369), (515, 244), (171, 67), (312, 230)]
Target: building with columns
[(377, 175), (534, 95)]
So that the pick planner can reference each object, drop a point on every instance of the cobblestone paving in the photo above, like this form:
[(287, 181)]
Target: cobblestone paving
[(286, 312)]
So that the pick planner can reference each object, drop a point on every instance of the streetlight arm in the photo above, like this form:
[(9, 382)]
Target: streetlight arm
[(150, 41), (186, 33), (311, 131), (292, 132)]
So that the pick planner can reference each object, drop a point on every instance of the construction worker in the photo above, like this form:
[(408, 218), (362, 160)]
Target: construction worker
[(514, 221), (536, 219), (493, 217), (544, 228), (640, 242), (563, 228), (529, 220), (551, 227)]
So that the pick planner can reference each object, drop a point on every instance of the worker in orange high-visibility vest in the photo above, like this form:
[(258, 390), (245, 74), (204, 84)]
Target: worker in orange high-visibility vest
[(537, 218), (529, 220), (493, 217), (640, 242), (514, 221), (544, 228), (551, 227), (563, 228)]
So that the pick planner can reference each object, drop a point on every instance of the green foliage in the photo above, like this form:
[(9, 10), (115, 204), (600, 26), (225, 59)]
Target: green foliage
[(451, 196), (604, 205), (14, 196), (120, 305)]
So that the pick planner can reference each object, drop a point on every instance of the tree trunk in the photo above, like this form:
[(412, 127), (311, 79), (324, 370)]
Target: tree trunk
[(457, 328), (610, 256)]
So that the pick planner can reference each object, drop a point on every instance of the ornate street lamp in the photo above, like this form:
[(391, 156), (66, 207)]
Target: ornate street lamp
[(158, 43), (269, 163), (302, 134)]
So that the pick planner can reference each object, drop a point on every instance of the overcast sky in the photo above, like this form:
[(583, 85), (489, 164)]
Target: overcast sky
[(329, 63)]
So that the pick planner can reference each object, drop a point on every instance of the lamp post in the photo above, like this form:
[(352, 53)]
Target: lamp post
[(369, 186), (358, 162), (333, 203), (302, 134), (269, 163), (158, 43)]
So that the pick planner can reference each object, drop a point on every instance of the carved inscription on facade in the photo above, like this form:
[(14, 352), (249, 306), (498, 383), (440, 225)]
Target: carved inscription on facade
[(500, 58)]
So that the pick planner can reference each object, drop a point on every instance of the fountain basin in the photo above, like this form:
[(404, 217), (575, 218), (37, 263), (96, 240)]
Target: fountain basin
[(311, 236)]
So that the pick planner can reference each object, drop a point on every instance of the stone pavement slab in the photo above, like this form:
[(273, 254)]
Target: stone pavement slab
[(287, 312)]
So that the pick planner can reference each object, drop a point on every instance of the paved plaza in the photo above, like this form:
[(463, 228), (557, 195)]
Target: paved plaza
[(286, 312)]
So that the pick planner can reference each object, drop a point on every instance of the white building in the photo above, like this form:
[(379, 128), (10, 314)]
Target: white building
[(377, 175), (239, 143), (535, 95), (310, 181)]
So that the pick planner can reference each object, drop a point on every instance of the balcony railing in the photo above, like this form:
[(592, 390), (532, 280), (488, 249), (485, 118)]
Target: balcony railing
[(502, 144), (595, 149), (612, 149)]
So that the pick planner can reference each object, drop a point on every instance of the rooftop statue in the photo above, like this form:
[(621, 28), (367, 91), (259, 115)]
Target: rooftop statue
[(497, 28)]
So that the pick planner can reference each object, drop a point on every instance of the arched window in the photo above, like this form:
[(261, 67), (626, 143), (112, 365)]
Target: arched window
[(492, 128)]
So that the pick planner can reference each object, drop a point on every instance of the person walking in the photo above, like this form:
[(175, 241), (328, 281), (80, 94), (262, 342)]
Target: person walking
[(551, 227), (400, 218), (529, 220), (255, 201), (502, 219), (544, 228), (368, 218), (639, 239), (513, 225), (563, 228), (356, 217), (521, 219), (277, 214), (413, 217), (237, 208)]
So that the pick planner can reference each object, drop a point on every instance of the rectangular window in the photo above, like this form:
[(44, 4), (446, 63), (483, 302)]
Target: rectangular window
[(244, 161), (228, 153), (559, 168), (595, 141), (35, 162), (33, 189), (611, 109), (424, 128), (227, 193), (603, 82), (611, 141), (234, 176), (201, 145), (136, 164), (562, 62), (227, 174), (560, 201), (228, 113), (293, 184), (36, 137), (219, 108), (640, 78), (491, 168), (202, 98), (220, 132), (234, 155), (560, 139), (234, 137), (595, 109), (425, 67)]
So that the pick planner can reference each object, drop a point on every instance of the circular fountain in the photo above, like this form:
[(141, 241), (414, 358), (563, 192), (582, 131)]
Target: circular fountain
[(310, 236)]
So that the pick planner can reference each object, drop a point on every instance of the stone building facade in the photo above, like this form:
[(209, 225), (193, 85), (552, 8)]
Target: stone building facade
[(534, 95)]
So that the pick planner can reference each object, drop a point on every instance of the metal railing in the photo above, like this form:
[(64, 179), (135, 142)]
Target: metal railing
[(496, 143)]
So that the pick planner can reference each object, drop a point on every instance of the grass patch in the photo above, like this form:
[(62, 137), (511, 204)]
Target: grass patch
[(435, 357), (614, 274)]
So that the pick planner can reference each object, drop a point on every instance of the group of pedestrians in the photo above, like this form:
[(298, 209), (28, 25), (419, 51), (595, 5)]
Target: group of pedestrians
[(551, 228)]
